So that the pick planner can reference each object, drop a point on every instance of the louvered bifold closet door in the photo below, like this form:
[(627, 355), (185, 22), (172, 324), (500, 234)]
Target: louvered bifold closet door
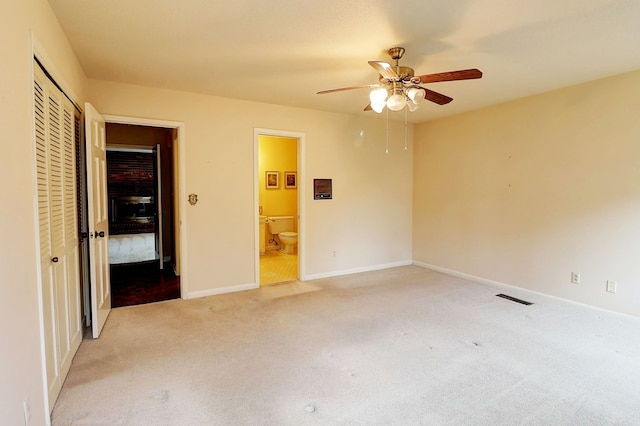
[(47, 283), (69, 311), (57, 215)]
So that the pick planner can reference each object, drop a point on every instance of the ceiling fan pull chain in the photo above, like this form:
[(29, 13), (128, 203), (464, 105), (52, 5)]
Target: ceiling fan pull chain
[(405, 128), (386, 151)]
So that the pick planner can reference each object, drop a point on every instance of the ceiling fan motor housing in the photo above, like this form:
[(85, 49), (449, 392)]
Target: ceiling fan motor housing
[(405, 74)]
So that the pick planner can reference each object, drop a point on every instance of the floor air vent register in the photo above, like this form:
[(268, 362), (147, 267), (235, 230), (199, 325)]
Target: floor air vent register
[(513, 299)]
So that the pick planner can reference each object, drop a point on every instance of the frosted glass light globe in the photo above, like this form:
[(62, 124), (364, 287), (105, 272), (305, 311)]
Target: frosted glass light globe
[(377, 105), (377, 98), (396, 102), (415, 94), (378, 94)]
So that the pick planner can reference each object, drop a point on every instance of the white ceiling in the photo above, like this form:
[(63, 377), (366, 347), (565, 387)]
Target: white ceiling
[(284, 51)]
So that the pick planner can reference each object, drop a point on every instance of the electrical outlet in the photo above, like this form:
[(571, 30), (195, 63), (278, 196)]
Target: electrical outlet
[(611, 286), (575, 278), (334, 253)]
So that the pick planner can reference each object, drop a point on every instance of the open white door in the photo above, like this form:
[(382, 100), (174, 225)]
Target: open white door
[(159, 219), (98, 217)]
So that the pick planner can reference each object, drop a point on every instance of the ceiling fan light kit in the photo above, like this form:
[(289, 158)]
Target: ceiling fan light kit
[(397, 101), (398, 85), (378, 98), (399, 89)]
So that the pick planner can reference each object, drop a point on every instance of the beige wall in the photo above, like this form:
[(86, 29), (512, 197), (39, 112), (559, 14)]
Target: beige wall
[(21, 366), (367, 224), (527, 192)]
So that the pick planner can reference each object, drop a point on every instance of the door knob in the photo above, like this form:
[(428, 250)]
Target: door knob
[(100, 234), (54, 259)]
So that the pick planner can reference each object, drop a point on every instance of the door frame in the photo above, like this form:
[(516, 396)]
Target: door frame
[(257, 132), (158, 200), (179, 154)]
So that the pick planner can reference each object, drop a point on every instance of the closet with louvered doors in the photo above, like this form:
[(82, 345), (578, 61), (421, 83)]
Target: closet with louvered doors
[(57, 132)]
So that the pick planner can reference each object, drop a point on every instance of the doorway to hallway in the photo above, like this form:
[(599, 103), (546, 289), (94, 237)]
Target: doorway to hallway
[(140, 183)]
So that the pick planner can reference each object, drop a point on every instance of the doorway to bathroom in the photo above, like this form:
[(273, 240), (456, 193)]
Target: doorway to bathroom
[(278, 190)]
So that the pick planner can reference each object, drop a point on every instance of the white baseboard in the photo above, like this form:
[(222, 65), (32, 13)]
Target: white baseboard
[(221, 290), (473, 278), (503, 286), (252, 286), (356, 270)]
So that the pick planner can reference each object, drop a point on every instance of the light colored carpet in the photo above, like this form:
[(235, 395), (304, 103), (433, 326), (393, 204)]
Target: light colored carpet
[(402, 346)]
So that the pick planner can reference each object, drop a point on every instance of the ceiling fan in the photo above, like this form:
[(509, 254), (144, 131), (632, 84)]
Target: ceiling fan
[(399, 87)]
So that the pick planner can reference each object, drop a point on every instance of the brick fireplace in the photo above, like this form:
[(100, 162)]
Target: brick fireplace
[(131, 190)]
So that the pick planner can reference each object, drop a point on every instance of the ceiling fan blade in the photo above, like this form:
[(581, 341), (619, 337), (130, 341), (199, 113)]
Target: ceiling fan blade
[(436, 97), (385, 70), (368, 86), (451, 76)]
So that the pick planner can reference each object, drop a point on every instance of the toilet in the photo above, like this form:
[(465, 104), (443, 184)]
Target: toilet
[(282, 226)]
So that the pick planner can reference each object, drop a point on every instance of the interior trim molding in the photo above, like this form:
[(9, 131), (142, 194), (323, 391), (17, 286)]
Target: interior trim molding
[(302, 209), (221, 290), (181, 175), (356, 270)]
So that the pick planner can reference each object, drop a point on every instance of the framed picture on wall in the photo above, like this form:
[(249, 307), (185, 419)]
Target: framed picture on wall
[(272, 180), (290, 180), (322, 189)]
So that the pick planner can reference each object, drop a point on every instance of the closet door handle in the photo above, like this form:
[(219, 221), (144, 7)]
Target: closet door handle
[(54, 259)]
